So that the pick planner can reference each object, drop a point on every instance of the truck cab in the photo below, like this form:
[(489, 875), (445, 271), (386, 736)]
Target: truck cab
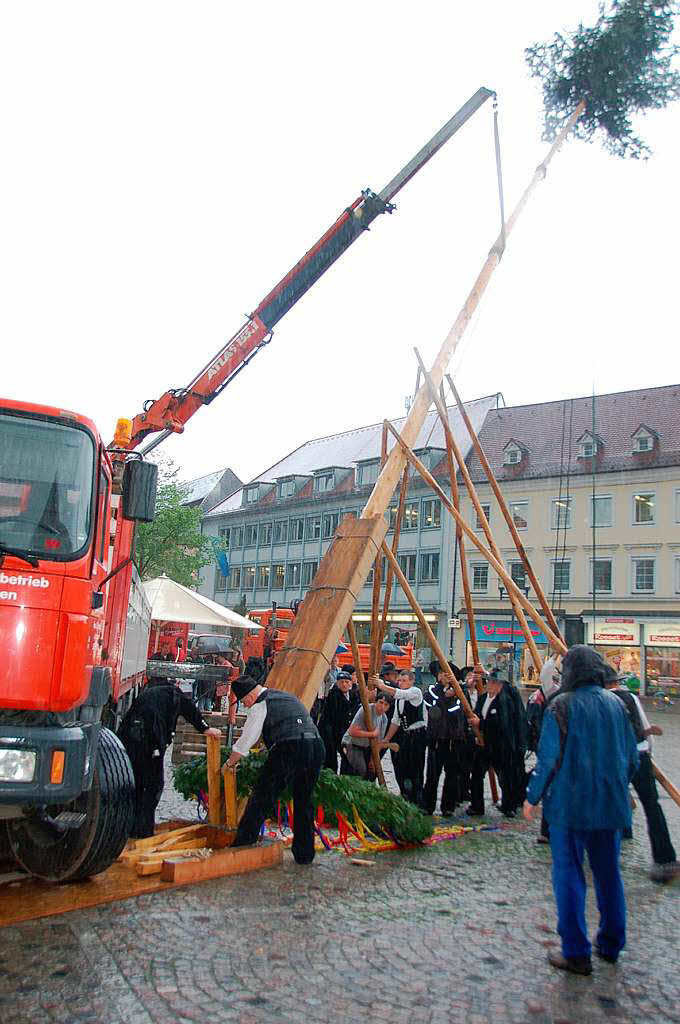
[(62, 630)]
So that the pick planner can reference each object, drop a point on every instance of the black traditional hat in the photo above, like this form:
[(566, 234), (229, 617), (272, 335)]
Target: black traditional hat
[(389, 666), (243, 685)]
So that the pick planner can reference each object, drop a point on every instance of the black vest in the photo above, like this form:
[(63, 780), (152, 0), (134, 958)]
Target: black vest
[(287, 718), (411, 714)]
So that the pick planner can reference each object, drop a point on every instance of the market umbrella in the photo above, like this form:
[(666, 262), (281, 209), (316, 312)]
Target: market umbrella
[(172, 602)]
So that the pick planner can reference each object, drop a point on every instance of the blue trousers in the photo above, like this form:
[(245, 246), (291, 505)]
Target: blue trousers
[(569, 884)]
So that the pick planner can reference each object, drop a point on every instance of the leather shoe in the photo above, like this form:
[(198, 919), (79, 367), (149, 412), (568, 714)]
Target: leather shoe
[(606, 956), (574, 964)]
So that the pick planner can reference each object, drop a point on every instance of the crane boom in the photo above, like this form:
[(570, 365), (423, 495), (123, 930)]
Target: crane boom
[(169, 413)]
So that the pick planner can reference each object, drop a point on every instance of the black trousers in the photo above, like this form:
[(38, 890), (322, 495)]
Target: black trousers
[(294, 763), (409, 764), (507, 780), (148, 772), (644, 785), (442, 757)]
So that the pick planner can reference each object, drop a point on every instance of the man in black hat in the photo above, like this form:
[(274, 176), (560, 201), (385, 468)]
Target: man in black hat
[(448, 742), (296, 754), (504, 745)]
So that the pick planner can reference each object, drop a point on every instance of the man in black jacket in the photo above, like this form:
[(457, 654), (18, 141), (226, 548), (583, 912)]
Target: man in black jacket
[(296, 755), (336, 717), (447, 742), (145, 732), (504, 737)]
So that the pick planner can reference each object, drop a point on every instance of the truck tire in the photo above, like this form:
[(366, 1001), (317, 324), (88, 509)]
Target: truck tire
[(78, 853)]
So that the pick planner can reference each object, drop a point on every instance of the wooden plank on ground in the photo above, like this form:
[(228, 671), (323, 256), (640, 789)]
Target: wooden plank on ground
[(225, 862)]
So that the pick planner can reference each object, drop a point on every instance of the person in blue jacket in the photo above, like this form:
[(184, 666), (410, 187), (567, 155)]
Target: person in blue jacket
[(587, 755)]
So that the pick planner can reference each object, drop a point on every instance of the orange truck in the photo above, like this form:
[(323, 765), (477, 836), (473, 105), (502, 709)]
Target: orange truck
[(276, 622), (74, 621)]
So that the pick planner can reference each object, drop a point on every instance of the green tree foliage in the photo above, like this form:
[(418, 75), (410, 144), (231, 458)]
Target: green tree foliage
[(172, 543), (620, 67)]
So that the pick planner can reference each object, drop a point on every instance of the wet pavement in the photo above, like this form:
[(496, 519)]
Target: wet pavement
[(453, 933)]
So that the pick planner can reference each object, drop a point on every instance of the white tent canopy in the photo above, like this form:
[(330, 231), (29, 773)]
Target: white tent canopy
[(172, 602)]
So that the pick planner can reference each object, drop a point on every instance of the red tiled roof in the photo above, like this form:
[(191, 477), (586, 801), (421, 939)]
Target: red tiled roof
[(544, 429)]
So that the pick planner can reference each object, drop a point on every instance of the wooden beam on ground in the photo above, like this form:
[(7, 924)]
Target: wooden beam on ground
[(502, 504), (302, 663), (363, 694), (223, 862)]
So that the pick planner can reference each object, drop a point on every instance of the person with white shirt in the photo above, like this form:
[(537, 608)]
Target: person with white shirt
[(408, 725), (296, 754)]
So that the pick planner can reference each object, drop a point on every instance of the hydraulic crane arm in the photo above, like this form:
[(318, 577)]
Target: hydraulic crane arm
[(169, 413)]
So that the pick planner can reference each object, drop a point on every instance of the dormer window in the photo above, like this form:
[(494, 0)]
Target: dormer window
[(644, 439), (324, 481), (588, 445), (251, 494), (286, 488), (367, 472), (513, 453)]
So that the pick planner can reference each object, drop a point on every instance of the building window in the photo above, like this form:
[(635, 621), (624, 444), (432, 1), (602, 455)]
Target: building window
[(278, 576), (263, 574), (280, 531), (392, 517), (383, 572), (486, 509), (429, 567), (432, 513), (519, 510), (248, 577), (518, 574), (512, 456), (308, 572), (367, 473), (560, 514), (601, 510), (407, 564), (643, 508), (410, 520), (223, 533), (297, 529), (601, 575), (643, 575), (480, 577), (293, 574), (561, 576), (286, 488), (313, 530), (324, 482), (235, 578), (330, 523), (220, 580), (251, 494), (677, 506), (237, 537), (265, 534), (250, 535), (677, 575), (644, 444)]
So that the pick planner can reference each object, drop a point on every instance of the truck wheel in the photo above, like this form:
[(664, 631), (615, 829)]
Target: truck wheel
[(77, 853)]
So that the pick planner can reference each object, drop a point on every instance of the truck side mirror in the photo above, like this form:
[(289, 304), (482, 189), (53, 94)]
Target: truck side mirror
[(140, 480)]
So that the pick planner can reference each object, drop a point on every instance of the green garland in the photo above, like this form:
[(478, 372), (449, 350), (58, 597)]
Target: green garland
[(381, 811)]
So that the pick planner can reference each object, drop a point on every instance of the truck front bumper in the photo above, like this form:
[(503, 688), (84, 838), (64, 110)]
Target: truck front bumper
[(43, 765)]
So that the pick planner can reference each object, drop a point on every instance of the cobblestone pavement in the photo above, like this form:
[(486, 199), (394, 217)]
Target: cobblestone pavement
[(455, 933)]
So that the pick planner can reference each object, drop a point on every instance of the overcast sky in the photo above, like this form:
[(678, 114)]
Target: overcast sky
[(165, 164)]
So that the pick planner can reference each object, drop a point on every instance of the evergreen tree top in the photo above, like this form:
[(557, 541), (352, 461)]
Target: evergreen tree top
[(619, 67)]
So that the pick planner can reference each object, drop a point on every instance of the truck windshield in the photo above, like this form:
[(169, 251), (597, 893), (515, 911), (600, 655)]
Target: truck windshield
[(46, 477)]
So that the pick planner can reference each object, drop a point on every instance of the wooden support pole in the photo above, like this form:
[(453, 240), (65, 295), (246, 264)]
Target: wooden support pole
[(538, 590), (395, 546), (230, 801), (212, 746), (481, 515), (374, 652), (363, 694), (510, 584)]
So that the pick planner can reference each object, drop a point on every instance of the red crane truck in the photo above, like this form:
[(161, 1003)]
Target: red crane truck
[(74, 624)]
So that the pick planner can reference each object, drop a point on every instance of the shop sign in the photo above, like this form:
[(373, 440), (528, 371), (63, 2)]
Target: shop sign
[(498, 631), (616, 631), (662, 634)]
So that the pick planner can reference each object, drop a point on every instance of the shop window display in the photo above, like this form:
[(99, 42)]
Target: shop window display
[(625, 661)]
